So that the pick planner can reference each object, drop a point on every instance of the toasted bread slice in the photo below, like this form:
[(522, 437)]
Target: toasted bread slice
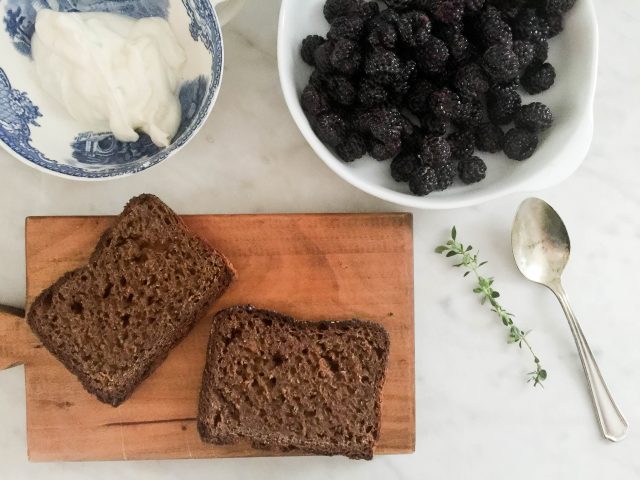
[(284, 384), (114, 320)]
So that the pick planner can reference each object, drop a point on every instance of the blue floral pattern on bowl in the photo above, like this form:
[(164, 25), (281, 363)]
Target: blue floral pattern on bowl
[(98, 155), (17, 115)]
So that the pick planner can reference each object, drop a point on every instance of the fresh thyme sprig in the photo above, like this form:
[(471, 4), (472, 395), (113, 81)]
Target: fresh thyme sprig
[(469, 261)]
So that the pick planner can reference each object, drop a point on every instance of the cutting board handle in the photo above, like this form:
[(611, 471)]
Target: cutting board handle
[(16, 341)]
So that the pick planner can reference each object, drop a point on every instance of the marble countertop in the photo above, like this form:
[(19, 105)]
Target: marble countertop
[(476, 416)]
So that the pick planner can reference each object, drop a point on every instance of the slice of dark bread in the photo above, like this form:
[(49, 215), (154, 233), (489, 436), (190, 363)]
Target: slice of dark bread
[(113, 321), (284, 384)]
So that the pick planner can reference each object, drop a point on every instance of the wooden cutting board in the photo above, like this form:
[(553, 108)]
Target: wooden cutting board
[(310, 266)]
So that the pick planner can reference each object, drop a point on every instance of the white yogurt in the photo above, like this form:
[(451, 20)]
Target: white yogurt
[(111, 72)]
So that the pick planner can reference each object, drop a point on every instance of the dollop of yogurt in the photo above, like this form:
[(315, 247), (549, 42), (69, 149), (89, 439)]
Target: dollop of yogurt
[(111, 72)]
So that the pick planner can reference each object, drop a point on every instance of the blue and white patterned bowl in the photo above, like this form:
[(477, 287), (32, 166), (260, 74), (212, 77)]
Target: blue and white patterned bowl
[(37, 130)]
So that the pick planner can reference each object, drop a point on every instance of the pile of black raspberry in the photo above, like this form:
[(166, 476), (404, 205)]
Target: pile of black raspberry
[(428, 82)]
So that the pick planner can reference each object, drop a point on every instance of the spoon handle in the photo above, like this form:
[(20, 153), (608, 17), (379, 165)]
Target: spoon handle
[(612, 423)]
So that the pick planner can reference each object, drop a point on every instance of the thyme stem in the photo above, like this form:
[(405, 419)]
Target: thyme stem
[(484, 288)]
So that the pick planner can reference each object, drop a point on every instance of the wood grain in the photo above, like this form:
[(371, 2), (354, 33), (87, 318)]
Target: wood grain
[(310, 266), (16, 340)]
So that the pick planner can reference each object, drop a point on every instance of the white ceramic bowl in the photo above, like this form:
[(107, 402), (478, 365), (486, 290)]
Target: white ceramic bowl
[(574, 54)]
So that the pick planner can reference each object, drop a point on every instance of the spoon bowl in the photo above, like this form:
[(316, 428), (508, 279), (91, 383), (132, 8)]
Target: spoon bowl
[(540, 242)]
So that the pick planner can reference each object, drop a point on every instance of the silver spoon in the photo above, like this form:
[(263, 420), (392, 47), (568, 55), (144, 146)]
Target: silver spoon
[(541, 249)]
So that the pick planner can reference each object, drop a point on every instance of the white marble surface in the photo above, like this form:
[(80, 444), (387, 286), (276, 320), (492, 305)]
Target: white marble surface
[(476, 417)]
